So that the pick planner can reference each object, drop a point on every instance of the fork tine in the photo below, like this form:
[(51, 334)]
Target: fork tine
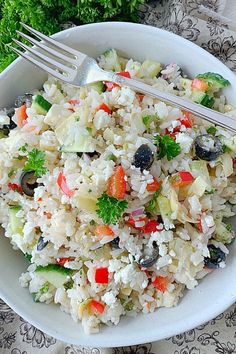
[(47, 48), (53, 41), (39, 64), (48, 60)]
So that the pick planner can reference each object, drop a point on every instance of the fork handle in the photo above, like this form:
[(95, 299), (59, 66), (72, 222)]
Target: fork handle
[(197, 109)]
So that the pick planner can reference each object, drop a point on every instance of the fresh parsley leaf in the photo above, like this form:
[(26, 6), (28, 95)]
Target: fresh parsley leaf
[(28, 256), (212, 130), (69, 284), (110, 209), (153, 202), (167, 147), (36, 160)]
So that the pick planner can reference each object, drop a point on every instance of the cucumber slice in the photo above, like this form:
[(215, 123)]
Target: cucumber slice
[(197, 96), (16, 223), (215, 81), (98, 86), (231, 143), (74, 138), (185, 83), (223, 232), (199, 168), (150, 68), (54, 274), (164, 207), (41, 105)]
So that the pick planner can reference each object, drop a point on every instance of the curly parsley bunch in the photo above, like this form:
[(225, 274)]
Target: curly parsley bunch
[(47, 16)]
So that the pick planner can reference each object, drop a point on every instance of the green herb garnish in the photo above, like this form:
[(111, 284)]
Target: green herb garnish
[(110, 157), (36, 160), (212, 191), (212, 130), (110, 209), (23, 148), (167, 147), (151, 207), (28, 256), (69, 284), (48, 16)]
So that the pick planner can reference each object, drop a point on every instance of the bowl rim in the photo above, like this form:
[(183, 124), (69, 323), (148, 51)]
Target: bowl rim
[(144, 337)]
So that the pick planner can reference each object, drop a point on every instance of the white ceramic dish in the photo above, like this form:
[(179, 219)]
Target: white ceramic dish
[(215, 293)]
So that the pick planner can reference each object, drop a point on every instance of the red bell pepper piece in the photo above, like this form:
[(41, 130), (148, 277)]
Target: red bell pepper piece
[(61, 181), (151, 226), (154, 186), (181, 179), (15, 187), (200, 85), (124, 73), (96, 307), (101, 275), (104, 108), (160, 283), (116, 186), (61, 261), (21, 116), (103, 230), (111, 85), (131, 221)]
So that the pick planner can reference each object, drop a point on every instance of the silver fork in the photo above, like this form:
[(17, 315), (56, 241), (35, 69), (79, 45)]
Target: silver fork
[(77, 69)]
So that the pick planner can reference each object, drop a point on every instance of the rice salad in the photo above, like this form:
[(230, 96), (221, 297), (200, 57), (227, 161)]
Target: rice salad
[(117, 200)]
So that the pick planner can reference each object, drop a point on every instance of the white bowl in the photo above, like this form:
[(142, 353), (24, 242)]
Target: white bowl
[(215, 293)]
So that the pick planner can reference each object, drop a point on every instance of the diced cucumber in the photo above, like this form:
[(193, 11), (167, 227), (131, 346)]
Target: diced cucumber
[(207, 101), (112, 60), (199, 168), (41, 105), (164, 207), (16, 223), (231, 143), (185, 83), (223, 232), (98, 86), (75, 139), (150, 68), (54, 274), (215, 81), (227, 164), (197, 96), (41, 291), (87, 203)]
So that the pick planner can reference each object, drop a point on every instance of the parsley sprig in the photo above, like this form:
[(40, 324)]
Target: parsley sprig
[(110, 209), (35, 162), (167, 147)]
